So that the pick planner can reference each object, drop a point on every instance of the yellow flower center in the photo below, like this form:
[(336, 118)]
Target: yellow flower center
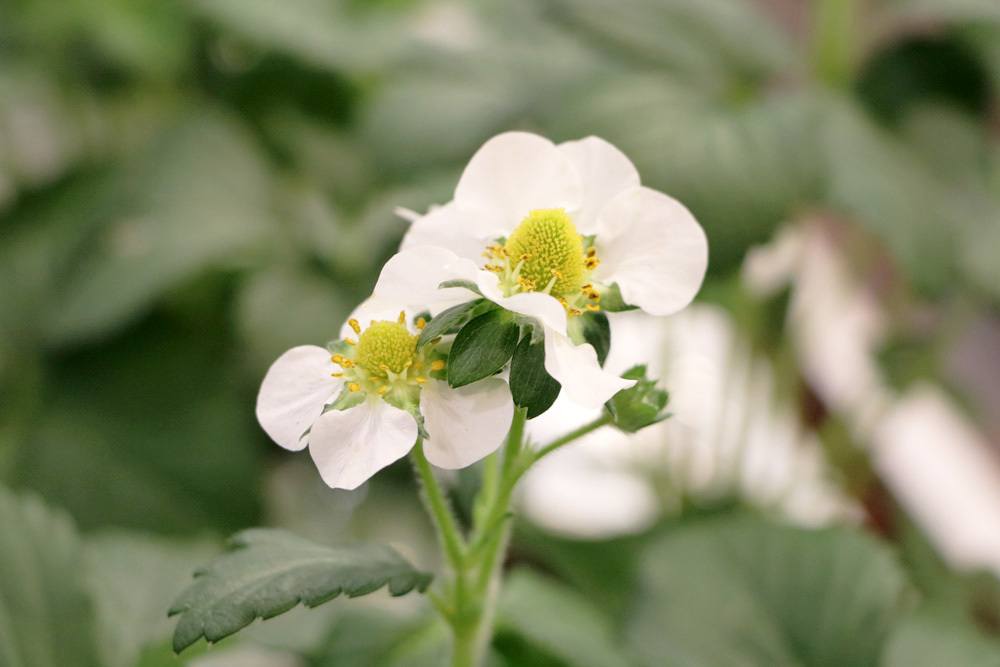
[(386, 346), (551, 250)]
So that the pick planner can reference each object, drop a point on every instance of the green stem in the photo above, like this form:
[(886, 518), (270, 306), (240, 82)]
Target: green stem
[(444, 520), (572, 435), (476, 604)]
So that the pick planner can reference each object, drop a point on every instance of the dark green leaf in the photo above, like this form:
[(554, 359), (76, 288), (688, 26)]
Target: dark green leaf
[(530, 384), (640, 405), (45, 617), (597, 332), (448, 321), (482, 347), (741, 591), (269, 572)]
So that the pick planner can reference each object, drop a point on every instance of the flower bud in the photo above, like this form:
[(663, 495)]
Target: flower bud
[(640, 405)]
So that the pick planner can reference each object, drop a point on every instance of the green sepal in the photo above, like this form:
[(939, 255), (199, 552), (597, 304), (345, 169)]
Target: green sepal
[(530, 384), (346, 400), (596, 330), (467, 284), (450, 321), (338, 347), (482, 347), (640, 405), (268, 572), (612, 301)]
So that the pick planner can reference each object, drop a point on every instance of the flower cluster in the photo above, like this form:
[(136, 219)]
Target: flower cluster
[(496, 299)]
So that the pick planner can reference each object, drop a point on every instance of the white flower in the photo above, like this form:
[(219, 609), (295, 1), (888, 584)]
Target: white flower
[(547, 231), (357, 405)]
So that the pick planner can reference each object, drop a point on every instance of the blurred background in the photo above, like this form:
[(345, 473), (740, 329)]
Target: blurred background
[(189, 188)]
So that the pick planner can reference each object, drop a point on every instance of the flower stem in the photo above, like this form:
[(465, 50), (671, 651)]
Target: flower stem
[(476, 603), (571, 436), (434, 499)]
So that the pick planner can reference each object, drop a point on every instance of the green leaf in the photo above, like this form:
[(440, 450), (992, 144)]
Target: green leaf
[(557, 620), (929, 639), (45, 617), (640, 405), (597, 332), (482, 347), (268, 572), (129, 602), (448, 321), (530, 384), (742, 591)]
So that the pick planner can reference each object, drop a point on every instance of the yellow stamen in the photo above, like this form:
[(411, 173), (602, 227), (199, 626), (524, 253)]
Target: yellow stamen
[(353, 323), (421, 323), (354, 387), (420, 379), (350, 341), (402, 317), (382, 391), (337, 375), (437, 364)]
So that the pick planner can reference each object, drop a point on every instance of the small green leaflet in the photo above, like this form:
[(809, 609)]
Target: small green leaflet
[(268, 572), (449, 321), (482, 347), (530, 385)]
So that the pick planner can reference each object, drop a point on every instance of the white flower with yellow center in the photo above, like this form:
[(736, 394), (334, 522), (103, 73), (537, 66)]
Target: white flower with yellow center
[(553, 233), (361, 404)]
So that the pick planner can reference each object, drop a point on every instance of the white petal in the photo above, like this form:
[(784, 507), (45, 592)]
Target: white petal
[(577, 370), (467, 423), (604, 172), (539, 305), (349, 446), (411, 277), (654, 249), (446, 227), (513, 174), (293, 393)]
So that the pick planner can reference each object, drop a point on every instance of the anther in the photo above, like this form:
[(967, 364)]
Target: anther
[(420, 379), (353, 323), (354, 387), (437, 364), (350, 341), (421, 323)]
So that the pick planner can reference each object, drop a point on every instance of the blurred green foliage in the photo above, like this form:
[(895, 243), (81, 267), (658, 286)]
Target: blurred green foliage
[(189, 188)]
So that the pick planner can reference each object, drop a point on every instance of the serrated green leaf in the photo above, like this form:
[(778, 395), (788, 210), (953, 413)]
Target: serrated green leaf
[(742, 591), (530, 384), (268, 572), (46, 619), (558, 621), (448, 321), (482, 347), (597, 331)]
